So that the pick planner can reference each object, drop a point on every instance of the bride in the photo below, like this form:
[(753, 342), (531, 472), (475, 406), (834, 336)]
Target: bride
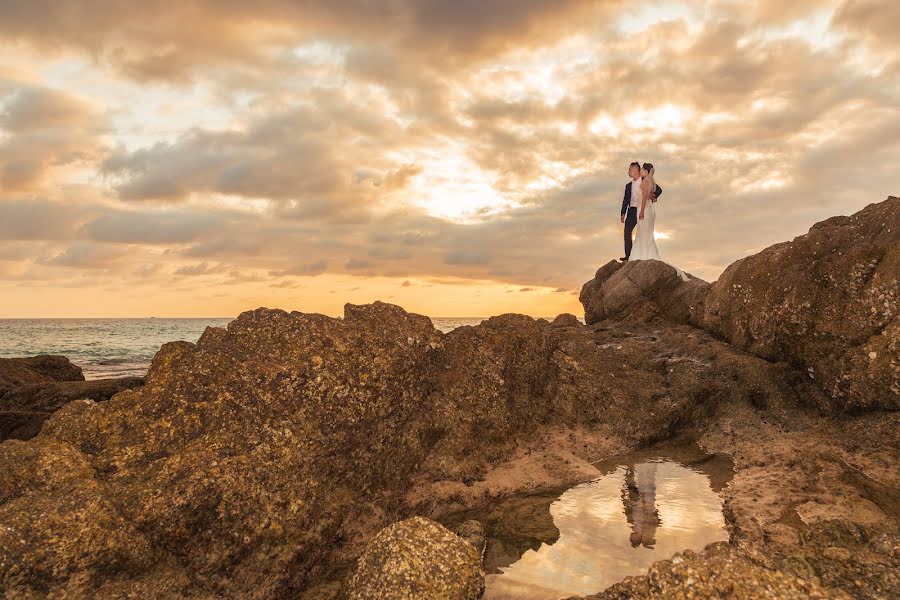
[(645, 240)]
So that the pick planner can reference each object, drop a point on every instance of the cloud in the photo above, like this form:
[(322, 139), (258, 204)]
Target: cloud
[(194, 270), (355, 264), (84, 255), (876, 21), (45, 129), (441, 141), (153, 227), (157, 40), (38, 219)]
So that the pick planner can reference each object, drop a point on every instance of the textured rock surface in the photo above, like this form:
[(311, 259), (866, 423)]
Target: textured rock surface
[(417, 558), (827, 302), (641, 291), (251, 462), (24, 409), (718, 574), (16, 372)]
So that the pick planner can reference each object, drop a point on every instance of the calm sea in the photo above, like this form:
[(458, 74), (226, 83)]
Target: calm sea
[(117, 347)]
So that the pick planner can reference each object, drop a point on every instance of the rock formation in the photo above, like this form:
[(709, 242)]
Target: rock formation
[(251, 461), (16, 372), (24, 409), (640, 291), (262, 460), (828, 303), (417, 558)]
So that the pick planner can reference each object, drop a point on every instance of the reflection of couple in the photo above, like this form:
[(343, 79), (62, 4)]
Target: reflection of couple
[(639, 499)]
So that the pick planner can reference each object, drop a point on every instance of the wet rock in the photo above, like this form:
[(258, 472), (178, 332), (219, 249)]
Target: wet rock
[(417, 558), (640, 291), (516, 525), (24, 409), (827, 302)]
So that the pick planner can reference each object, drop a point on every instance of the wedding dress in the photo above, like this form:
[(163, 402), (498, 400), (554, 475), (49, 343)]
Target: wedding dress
[(645, 240)]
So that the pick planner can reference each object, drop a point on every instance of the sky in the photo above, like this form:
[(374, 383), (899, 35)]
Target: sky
[(455, 157)]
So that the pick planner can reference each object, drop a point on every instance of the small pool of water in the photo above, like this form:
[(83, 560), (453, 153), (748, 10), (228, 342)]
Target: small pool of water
[(646, 507)]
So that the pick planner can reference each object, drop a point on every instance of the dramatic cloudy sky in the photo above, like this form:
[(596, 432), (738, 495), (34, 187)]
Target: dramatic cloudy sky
[(456, 157)]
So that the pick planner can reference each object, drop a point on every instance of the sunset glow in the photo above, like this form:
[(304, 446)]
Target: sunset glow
[(201, 159)]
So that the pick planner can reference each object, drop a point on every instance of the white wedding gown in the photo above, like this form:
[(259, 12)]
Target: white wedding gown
[(645, 240), (644, 247)]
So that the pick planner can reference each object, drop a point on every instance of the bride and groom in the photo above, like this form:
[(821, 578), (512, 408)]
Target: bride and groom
[(639, 211)]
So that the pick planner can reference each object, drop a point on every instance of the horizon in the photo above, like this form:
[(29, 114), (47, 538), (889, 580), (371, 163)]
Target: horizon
[(173, 160)]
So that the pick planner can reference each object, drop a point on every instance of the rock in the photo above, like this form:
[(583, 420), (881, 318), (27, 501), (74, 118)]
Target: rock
[(640, 291), (16, 372), (516, 525), (417, 558), (473, 532), (566, 320), (828, 301), (24, 409), (717, 574), (253, 461)]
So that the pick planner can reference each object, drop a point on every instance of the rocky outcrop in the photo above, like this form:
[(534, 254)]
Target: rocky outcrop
[(641, 291), (257, 461), (417, 558), (16, 372), (827, 302), (254, 460), (24, 409)]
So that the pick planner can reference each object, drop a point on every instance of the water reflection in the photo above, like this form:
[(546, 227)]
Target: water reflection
[(646, 507), (639, 498)]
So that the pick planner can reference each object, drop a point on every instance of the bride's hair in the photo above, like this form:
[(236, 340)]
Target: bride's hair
[(650, 170)]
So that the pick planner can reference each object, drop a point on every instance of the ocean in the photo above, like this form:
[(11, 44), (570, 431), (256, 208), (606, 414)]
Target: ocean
[(117, 347)]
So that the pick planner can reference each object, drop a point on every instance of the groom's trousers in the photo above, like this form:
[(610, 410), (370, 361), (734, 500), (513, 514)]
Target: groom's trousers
[(631, 220)]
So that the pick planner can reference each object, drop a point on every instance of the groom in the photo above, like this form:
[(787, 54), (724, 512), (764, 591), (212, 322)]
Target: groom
[(631, 203)]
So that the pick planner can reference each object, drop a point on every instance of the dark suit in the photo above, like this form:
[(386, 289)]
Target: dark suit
[(631, 216)]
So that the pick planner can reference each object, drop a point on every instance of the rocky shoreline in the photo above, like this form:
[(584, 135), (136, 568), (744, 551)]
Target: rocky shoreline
[(33, 388), (264, 460)]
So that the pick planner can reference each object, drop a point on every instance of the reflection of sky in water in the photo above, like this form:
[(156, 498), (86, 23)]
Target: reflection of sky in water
[(594, 550)]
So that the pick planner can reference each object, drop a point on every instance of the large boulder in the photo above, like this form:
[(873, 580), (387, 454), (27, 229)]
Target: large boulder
[(417, 559), (24, 409), (827, 302), (641, 291), (16, 372)]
